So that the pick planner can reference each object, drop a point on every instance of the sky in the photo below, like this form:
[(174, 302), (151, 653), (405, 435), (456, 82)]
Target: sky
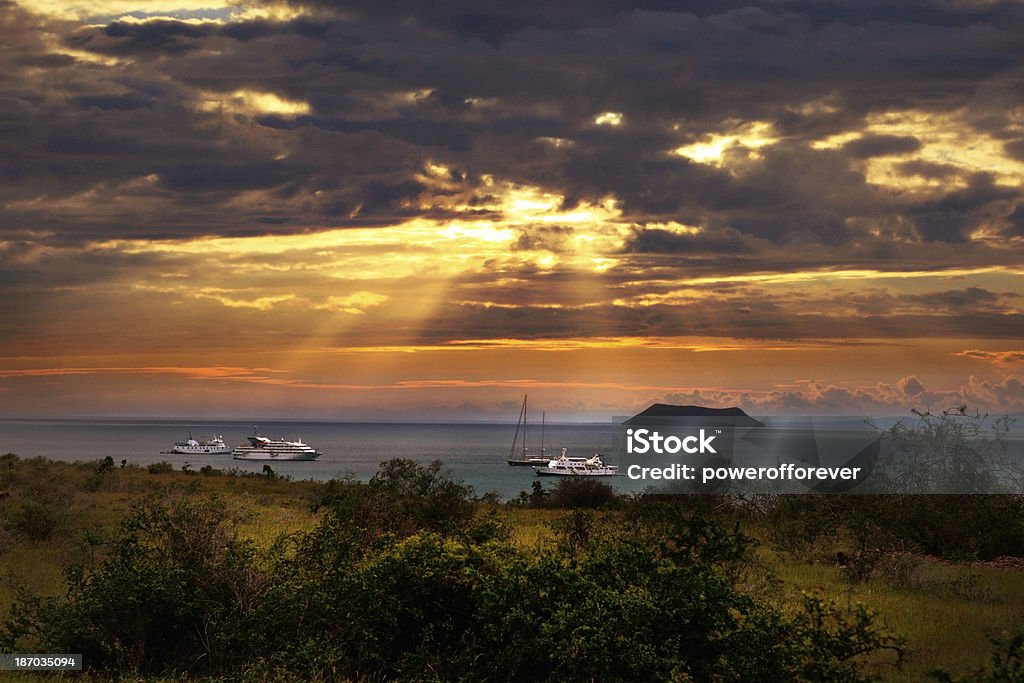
[(425, 210)]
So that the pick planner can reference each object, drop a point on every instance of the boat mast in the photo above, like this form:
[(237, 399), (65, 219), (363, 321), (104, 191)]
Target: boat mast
[(519, 422), (524, 427), (543, 418)]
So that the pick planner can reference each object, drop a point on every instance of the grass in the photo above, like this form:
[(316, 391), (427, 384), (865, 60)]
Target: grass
[(531, 528), (270, 507), (943, 610)]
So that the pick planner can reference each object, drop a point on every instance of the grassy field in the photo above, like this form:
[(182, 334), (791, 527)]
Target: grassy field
[(944, 613), (943, 610)]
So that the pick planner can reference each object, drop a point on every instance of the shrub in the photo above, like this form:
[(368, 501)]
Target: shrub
[(797, 522), (402, 498), (960, 526), (8, 461), (35, 518), (381, 590), (574, 530), (581, 492), (1006, 663), (162, 467), (165, 598), (949, 452)]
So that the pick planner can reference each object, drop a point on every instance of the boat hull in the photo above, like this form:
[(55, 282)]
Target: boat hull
[(201, 451), (529, 462), (572, 472), (268, 456)]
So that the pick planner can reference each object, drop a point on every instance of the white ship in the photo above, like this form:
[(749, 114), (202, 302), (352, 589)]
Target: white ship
[(262, 448), (577, 467), (214, 446)]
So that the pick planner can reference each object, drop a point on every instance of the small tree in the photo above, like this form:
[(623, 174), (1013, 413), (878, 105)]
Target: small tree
[(950, 452)]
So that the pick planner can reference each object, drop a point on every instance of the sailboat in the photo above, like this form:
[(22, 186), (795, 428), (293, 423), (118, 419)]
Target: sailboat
[(524, 457)]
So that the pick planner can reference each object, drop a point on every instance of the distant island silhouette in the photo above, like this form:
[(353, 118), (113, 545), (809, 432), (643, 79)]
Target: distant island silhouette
[(665, 413)]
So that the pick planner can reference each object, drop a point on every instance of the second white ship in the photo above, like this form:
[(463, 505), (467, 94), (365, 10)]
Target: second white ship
[(214, 446), (263, 448)]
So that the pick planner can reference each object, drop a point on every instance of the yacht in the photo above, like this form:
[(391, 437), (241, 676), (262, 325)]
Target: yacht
[(263, 448), (525, 457), (214, 446), (577, 467)]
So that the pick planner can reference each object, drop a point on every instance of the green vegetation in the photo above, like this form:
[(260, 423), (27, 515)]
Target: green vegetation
[(156, 573)]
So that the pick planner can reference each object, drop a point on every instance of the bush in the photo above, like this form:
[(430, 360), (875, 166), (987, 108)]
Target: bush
[(797, 522), (581, 492), (949, 452), (8, 461), (402, 498), (625, 606), (1006, 664), (401, 581), (35, 518), (166, 597), (961, 526)]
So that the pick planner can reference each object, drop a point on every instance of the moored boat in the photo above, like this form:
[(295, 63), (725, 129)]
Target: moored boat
[(191, 446), (525, 457), (577, 467), (263, 448)]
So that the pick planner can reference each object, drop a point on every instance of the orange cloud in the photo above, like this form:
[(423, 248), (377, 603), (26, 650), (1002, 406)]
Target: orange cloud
[(997, 357)]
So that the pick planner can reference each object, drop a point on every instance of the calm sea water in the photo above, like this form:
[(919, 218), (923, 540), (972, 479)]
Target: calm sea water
[(472, 453)]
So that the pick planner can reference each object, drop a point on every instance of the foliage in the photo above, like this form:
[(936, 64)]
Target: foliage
[(834, 641), (949, 452), (1007, 661), (569, 492), (582, 492), (402, 579), (36, 506), (165, 597), (8, 461), (162, 467), (34, 518), (797, 523), (401, 498)]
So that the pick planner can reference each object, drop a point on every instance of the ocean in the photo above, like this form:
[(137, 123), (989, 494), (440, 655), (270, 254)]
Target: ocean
[(472, 453)]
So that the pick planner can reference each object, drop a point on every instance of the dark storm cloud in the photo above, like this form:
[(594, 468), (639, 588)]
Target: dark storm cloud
[(164, 36), (666, 242), (970, 298), (498, 19), (951, 217), (927, 169), (1015, 149), (483, 88), (763, 320), (1016, 221), (118, 102), (881, 145)]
